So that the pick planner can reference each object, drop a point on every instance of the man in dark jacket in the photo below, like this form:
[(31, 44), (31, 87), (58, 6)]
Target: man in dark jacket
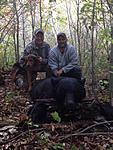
[(38, 50)]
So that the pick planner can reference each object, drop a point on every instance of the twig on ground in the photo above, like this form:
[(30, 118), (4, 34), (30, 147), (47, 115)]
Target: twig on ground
[(40, 130)]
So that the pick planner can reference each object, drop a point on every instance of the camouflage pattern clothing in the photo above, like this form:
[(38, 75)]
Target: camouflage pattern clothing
[(42, 51)]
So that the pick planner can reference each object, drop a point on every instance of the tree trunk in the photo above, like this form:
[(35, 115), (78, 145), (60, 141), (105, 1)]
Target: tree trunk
[(111, 68), (103, 14), (68, 17), (14, 40), (16, 30), (78, 31), (40, 13), (23, 25), (110, 5), (17, 36), (32, 19), (92, 52)]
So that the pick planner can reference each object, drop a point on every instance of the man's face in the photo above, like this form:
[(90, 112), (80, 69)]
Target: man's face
[(39, 38), (62, 42)]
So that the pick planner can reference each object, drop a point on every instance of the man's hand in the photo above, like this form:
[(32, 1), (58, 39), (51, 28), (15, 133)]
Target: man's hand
[(59, 72), (40, 59)]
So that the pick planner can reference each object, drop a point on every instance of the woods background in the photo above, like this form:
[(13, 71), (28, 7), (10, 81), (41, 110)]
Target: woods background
[(87, 23)]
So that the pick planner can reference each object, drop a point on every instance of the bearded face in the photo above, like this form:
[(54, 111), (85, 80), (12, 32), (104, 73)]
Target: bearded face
[(62, 42)]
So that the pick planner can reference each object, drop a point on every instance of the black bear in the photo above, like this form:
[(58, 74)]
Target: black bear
[(65, 90)]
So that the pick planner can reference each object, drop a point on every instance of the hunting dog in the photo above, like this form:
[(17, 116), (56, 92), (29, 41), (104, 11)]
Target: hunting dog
[(31, 66), (25, 70)]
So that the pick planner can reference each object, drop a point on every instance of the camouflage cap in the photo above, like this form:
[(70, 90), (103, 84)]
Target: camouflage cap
[(38, 31)]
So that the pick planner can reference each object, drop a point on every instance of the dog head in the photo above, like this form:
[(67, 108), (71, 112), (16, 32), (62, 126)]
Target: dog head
[(31, 60)]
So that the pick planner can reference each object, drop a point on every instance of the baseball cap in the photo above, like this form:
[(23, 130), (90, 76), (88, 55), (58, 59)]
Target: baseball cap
[(61, 34), (38, 31)]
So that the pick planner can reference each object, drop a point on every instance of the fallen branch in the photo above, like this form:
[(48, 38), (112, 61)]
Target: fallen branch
[(84, 134), (90, 133), (97, 124)]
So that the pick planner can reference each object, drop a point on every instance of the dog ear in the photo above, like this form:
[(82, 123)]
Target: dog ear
[(32, 56), (26, 58)]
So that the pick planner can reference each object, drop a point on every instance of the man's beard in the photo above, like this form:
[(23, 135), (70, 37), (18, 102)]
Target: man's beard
[(39, 44), (62, 45)]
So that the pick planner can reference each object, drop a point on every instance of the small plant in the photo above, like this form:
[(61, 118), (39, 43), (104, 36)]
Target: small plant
[(56, 116), (104, 84), (58, 146), (9, 95), (43, 138), (74, 147)]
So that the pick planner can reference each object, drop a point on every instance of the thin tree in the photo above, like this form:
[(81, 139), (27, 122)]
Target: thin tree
[(78, 29), (23, 26), (32, 13), (111, 67), (110, 5), (40, 8), (69, 22), (16, 29), (92, 51)]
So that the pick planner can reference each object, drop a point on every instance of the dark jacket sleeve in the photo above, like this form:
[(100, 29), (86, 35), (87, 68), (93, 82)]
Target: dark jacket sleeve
[(46, 55)]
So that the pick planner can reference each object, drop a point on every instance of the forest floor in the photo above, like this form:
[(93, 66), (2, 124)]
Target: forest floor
[(18, 133)]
